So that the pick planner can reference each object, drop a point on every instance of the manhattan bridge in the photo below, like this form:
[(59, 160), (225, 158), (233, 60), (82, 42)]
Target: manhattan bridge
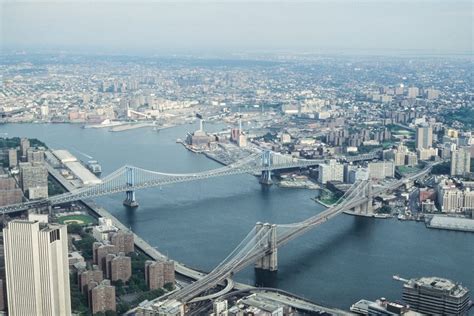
[(128, 179)]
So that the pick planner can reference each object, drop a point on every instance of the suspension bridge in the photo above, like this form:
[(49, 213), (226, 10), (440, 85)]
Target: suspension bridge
[(128, 179), (260, 246)]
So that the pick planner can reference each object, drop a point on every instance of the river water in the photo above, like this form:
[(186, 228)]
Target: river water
[(199, 223)]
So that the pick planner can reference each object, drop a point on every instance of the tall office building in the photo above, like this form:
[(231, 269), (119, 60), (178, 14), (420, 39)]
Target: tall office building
[(34, 180), (24, 145), (3, 297), (424, 137), (12, 158), (37, 271), (460, 161)]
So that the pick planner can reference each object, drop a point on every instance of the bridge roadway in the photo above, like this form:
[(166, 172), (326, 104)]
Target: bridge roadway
[(181, 268)]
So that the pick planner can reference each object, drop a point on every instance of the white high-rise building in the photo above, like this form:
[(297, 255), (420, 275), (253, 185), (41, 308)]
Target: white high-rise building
[(460, 161), (453, 199), (413, 92), (381, 169), (332, 171), (36, 268)]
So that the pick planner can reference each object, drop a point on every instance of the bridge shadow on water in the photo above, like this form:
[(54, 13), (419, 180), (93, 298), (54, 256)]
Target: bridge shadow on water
[(130, 215), (265, 191), (265, 278), (359, 228)]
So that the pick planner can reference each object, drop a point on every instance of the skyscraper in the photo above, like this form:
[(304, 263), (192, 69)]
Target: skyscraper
[(157, 274), (24, 145), (413, 92), (102, 297), (460, 161), (332, 171), (123, 241), (12, 158), (424, 137), (119, 267), (35, 155), (34, 180), (37, 271)]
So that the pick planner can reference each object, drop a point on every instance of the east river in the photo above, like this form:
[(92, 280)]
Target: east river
[(199, 223)]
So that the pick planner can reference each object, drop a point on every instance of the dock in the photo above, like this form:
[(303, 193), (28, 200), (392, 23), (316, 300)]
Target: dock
[(126, 127), (451, 223)]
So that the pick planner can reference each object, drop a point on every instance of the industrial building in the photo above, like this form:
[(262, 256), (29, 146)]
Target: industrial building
[(436, 296)]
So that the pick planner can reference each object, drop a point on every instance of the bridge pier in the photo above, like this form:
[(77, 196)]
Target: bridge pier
[(269, 262), (267, 162), (266, 177), (130, 199)]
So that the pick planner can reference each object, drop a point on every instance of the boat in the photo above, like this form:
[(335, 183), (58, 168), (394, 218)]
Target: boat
[(94, 167)]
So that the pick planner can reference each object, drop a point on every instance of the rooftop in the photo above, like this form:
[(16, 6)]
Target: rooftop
[(448, 222), (64, 155), (438, 284), (83, 173)]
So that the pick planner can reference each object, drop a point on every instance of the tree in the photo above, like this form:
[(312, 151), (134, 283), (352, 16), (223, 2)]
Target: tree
[(74, 228), (85, 246), (169, 286), (385, 209), (442, 168), (123, 307)]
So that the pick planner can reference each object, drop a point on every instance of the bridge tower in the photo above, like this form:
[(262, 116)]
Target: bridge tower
[(366, 208), (130, 200), (269, 262), (266, 177)]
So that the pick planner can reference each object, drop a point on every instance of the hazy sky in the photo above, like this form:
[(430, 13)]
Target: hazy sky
[(235, 26)]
